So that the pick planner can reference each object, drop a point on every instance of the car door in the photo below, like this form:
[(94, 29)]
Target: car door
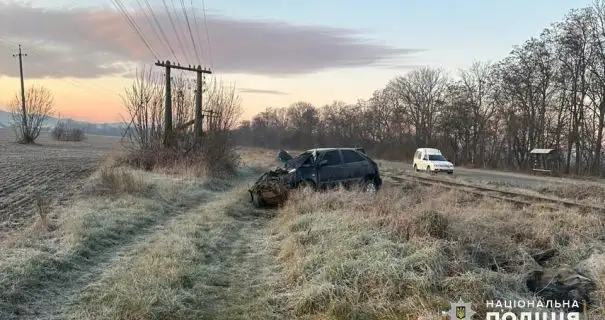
[(330, 172), (424, 160), (355, 166), (416, 161)]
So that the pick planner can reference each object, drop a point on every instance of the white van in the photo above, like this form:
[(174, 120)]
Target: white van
[(431, 160)]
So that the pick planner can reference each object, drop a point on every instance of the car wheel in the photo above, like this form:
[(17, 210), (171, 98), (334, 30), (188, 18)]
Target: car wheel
[(370, 187)]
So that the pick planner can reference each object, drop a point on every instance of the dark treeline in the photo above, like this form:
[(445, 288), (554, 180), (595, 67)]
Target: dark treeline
[(547, 93)]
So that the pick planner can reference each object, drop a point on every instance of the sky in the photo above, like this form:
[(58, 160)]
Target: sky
[(275, 52)]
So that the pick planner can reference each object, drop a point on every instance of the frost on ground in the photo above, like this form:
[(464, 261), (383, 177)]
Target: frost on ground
[(142, 245)]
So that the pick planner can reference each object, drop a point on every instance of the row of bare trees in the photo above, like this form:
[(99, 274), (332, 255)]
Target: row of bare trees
[(547, 93)]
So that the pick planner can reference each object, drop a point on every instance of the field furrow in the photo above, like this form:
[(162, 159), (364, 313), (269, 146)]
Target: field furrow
[(52, 171)]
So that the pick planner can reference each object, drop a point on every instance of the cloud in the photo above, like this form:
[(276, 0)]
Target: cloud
[(90, 42), (261, 91)]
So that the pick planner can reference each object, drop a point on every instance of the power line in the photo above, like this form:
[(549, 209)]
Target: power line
[(175, 30), (181, 31), (190, 32), (197, 29), (161, 29), (120, 6), (148, 18), (207, 35)]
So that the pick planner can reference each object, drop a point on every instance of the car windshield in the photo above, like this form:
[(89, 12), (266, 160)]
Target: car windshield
[(302, 159), (436, 157)]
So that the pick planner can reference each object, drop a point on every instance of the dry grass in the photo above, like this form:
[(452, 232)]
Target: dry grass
[(146, 245), (589, 193), (117, 180), (179, 273), (256, 157), (34, 261), (402, 254), (581, 191), (214, 155)]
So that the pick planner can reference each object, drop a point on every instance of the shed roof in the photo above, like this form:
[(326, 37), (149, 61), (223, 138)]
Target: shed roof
[(541, 151)]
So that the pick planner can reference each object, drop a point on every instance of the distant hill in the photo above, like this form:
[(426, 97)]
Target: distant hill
[(106, 129)]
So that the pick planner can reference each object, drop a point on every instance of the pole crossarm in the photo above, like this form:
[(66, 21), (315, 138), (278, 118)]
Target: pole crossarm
[(199, 115), (186, 68)]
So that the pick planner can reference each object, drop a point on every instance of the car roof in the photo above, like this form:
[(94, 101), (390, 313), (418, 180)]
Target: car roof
[(329, 149), (430, 150)]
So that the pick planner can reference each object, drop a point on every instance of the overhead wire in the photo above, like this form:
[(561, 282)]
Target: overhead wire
[(190, 32), (120, 6), (174, 56), (181, 30), (175, 29), (151, 24), (207, 35), (197, 31)]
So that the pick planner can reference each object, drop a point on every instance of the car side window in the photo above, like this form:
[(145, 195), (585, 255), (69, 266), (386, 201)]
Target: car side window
[(349, 156), (307, 162), (333, 158)]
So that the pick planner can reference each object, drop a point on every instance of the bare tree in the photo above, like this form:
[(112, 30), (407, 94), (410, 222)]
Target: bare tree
[(38, 107), (143, 101), (224, 104), (422, 92)]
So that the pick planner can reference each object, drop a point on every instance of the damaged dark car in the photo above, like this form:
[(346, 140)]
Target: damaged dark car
[(319, 169)]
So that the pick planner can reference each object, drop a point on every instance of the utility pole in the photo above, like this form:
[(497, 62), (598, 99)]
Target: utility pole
[(198, 105), (21, 55), (210, 114), (198, 97)]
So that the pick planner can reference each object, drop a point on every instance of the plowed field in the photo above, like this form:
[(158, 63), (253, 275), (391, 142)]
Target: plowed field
[(52, 169)]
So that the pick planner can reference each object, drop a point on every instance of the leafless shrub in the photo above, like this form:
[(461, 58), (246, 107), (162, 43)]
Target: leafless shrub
[(61, 132), (27, 122), (214, 153), (43, 207), (117, 180)]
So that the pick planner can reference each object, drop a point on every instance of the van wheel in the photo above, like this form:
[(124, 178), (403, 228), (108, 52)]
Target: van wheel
[(415, 168), (428, 169)]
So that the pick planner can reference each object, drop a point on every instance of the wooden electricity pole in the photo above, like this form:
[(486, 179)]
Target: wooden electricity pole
[(168, 102), (210, 114), (21, 55)]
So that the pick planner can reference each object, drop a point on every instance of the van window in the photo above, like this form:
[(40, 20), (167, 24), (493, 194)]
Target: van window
[(436, 157)]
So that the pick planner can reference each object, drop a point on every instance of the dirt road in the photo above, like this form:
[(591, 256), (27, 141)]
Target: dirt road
[(513, 179)]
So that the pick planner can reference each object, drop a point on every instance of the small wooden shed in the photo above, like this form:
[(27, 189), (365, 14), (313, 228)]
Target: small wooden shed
[(545, 161)]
